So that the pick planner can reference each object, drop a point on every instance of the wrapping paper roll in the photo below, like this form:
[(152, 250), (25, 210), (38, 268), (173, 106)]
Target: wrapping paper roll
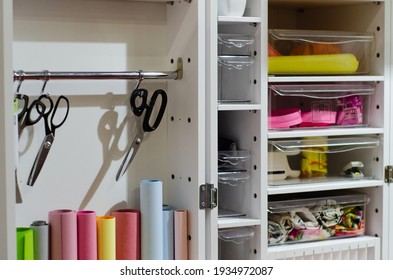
[(63, 235), (106, 238), (41, 240), (168, 248), (180, 234), (128, 234), (24, 243), (151, 219), (87, 235)]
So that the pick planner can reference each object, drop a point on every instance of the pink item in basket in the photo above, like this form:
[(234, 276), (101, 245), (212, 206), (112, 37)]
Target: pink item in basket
[(318, 118), (350, 110), (284, 118)]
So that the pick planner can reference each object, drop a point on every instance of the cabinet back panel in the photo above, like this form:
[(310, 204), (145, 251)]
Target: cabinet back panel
[(89, 36)]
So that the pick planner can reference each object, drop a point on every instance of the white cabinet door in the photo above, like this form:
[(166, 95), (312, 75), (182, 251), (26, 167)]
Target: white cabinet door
[(7, 165), (187, 117)]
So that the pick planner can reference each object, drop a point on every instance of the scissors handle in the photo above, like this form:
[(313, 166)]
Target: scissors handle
[(149, 109), (140, 105), (51, 126), (54, 126), (26, 114), (47, 112), (25, 100), (40, 108)]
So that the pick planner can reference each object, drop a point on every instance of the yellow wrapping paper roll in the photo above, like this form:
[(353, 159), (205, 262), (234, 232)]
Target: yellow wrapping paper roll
[(313, 64), (106, 238)]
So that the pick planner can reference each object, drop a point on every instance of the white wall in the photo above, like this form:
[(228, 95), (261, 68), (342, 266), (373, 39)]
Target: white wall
[(89, 36)]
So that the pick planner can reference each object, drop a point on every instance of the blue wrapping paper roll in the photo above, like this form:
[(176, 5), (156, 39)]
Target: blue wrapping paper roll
[(151, 220)]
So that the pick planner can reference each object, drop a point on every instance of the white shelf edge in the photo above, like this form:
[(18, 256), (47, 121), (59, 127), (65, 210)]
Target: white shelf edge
[(326, 246), (313, 3), (358, 78), (237, 222), (238, 107), (157, 1), (325, 186), (324, 132), (229, 19)]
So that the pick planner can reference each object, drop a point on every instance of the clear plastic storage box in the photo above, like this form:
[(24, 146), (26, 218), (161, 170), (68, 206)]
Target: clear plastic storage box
[(233, 174), (318, 52), (319, 105), (321, 159), (235, 44), (235, 78), (234, 243), (319, 218)]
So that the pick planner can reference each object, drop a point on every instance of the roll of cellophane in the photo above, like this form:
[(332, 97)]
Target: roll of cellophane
[(151, 220), (63, 235), (41, 240), (87, 235), (106, 238), (128, 234), (24, 243)]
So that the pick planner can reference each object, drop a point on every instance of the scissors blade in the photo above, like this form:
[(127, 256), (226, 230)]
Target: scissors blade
[(40, 159), (17, 190), (130, 155)]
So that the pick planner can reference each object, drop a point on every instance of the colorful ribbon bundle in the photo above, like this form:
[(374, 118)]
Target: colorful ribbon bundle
[(323, 220)]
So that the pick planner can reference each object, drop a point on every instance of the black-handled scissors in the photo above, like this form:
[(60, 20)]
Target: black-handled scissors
[(50, 128), (139, 104), (29, 115)]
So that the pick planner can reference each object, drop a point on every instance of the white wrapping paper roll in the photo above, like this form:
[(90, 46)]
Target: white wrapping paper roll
[(151, 220), (168, 233), (41, 240)]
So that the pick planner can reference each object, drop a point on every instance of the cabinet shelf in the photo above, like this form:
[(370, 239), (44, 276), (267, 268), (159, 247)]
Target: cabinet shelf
[(238, 107), (311, 3), (324, 132), (297, 79), (237, 222), (350, 248), (324, 186), (231, 19)]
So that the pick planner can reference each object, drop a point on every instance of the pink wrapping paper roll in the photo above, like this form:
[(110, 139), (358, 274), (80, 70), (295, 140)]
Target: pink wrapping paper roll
[(63, 235), (181, 234), (128, 234), (106, 238), (87, 235)]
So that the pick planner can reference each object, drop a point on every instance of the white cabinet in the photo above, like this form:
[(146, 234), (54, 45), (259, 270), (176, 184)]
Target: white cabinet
[(100, 35), (361, 16), (248, 124), (81, 168)]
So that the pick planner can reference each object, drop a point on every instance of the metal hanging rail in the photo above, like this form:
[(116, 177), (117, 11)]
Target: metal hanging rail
[(124, 75)]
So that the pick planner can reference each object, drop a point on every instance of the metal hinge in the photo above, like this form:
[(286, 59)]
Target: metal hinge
[(389, 174), (207, 196)]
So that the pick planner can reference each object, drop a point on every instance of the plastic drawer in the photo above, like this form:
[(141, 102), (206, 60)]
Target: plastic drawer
[(235, 44), (234, 243), (318, 218), (319, 105), (321, 159), (318, 52), (235, 78)]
